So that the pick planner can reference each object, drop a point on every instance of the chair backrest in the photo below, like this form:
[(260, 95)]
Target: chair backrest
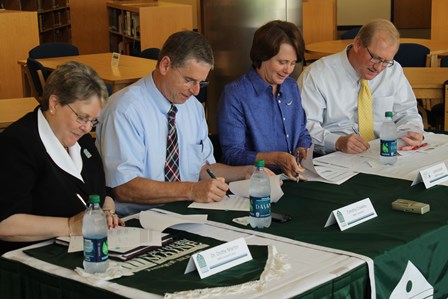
[(444, 61), (412, 55), (350, 34), (55, 49), (150, 53), (38, 75), (217, 151), (202, 96)]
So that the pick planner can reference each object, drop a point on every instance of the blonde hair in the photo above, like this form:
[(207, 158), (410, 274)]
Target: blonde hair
[(368, 32)]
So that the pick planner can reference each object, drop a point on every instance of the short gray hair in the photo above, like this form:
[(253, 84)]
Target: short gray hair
[(184, 45), (71, 82)]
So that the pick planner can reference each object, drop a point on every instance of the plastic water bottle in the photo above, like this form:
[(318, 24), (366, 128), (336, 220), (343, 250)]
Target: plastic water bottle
[(94, 231), (260, 197), (388, 139)]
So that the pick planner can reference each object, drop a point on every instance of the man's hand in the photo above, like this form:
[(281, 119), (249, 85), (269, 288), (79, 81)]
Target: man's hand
[(352, 144), (411, 139), (209, 191)]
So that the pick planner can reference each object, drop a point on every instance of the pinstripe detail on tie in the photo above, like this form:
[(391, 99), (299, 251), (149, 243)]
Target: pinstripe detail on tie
[(172, 149)]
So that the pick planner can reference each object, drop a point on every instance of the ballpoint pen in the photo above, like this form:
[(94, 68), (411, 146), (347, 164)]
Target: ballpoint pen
[(419, 146), (356, 131), (213, 176), (298, 163), (82, 200)]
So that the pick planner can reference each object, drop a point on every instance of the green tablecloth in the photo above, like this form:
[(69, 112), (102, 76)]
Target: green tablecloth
[(391, 239)]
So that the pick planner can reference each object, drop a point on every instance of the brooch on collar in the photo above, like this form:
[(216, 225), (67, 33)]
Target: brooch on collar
[(87, 153)]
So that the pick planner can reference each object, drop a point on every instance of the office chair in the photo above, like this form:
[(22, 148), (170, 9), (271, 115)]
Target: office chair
[(150, 53), (444, 61), (55, 49), (438, 110), (412, 55), (415, 55), (38, 76), (217, 151), (350, 34)]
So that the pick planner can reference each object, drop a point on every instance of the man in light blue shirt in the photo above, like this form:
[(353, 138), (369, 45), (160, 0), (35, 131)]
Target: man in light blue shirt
[(132, 136), (330, 87)]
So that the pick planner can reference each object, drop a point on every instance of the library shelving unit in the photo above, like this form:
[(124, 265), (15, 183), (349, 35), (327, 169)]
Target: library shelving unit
[(53, 17), (137, 25)]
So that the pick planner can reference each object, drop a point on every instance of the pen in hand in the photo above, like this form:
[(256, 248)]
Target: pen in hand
[(213, 176), (298, 163), (356, 131)]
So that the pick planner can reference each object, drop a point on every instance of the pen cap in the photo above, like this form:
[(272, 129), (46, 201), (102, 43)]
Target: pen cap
[(94, 198)]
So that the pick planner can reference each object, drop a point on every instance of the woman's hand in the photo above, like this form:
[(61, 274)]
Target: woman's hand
[(113, 220)]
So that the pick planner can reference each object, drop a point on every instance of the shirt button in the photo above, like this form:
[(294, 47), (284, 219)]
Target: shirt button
[(279, 101), (284, 118), (287, 136)]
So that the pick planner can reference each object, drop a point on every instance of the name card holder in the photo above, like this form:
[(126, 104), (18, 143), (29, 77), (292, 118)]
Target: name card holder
[(352, 214), (219, 258), (432, 175), (115, 59)]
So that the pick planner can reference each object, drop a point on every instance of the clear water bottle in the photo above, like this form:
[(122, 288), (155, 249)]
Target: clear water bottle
[(388, 139), (260, 197), (94, 231)]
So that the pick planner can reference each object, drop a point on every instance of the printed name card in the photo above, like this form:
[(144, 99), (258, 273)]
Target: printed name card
[(352, 214), (219, 258), (115, 59), (432, 175)]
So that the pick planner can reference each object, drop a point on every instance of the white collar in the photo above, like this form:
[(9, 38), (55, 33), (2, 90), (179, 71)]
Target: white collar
[(70, 163)]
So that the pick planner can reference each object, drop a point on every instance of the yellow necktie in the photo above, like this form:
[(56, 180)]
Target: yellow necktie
[(365, 114)]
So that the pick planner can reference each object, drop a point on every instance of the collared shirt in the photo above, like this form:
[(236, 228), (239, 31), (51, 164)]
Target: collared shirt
[(70, 162), (252, 120), (330, 88), (132, 135)]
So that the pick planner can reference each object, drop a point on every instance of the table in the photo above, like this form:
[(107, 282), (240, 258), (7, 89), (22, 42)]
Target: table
[(329, 272), (13, 109), (428, 83), (391, 240), (334, 46), (129, 70)]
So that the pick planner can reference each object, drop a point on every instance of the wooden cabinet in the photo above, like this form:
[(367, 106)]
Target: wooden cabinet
[(137, 25), (53, 17), (410, 14), (439, 22), (18, 34), (89, 26), (319, 20)]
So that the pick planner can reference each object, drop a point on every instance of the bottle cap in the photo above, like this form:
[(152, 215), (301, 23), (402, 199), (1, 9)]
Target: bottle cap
[(259, 163), (94, 198), (389, 114)]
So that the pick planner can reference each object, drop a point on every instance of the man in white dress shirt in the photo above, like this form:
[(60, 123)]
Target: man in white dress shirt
[(330, 87)]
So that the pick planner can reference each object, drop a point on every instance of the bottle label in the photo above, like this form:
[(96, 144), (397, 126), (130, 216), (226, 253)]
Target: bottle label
[(260, 207), (388, 148), (95, 250)]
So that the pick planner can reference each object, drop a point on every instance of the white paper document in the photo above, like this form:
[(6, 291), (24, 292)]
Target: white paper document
[(324, 173), (239, 200), (231, 203), (120, 239), (409, 163), (154, 220)]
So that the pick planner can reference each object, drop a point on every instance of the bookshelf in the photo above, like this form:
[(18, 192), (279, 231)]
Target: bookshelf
[(137, 25), (53, 17)]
